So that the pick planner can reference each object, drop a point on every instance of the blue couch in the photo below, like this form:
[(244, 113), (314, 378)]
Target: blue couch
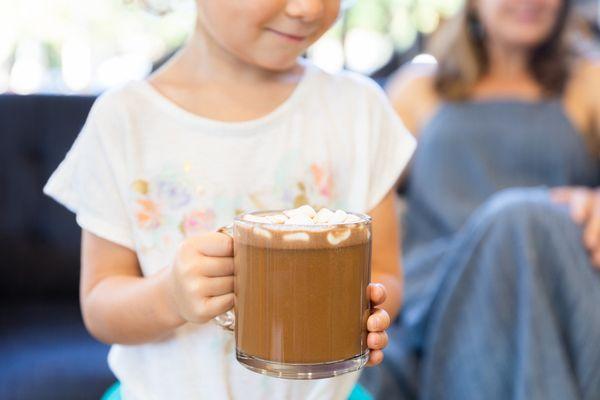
[(45, 351)]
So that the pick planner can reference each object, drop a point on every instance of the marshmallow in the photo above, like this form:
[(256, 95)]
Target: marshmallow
[(304, 210), (290, 213), (307, 210), (299, 219), (336, 237), (277, 218), (323, 216), (296, 237), (256, 218), (338, 217), (352, 219), (305, 215), (262, 232)]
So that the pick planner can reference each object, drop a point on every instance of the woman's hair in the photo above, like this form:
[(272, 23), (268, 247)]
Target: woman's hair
[(459, 47)]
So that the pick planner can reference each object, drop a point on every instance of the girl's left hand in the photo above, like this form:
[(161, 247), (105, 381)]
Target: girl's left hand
[(584, 204), (378, 322)]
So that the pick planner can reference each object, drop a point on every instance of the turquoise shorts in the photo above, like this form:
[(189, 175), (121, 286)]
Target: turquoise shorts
[(358, 393)]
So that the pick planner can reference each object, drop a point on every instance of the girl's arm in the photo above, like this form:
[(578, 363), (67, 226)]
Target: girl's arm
[(386, 263), (119, 305)]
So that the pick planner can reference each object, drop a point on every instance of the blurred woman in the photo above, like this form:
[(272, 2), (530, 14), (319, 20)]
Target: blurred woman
[(502, 240)]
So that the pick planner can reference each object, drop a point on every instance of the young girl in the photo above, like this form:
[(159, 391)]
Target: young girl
[(234, 122)]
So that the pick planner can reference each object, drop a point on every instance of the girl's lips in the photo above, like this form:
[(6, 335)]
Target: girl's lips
[(288, 36), (527, 15)]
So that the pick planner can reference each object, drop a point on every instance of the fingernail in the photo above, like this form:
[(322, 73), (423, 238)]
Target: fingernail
[(377, 290), (377, 323)]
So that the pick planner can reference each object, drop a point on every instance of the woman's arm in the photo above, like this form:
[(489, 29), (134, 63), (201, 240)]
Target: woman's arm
[(411, 92), (594, 90), (386, 263)]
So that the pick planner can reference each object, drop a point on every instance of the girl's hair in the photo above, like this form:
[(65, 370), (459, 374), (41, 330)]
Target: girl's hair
[(459, 47)]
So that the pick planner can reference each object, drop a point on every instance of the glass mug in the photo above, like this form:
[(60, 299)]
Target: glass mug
[(301, 302)]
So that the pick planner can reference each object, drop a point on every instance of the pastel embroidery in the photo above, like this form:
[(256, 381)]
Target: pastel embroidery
[(196, 222), (172, 194), (147, 215)]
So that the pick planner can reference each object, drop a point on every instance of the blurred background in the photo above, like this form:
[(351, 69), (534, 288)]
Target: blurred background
[(75, 47), (55, 58)]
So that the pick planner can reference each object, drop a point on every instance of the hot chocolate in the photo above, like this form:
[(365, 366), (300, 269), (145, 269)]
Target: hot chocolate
[(301, 291)]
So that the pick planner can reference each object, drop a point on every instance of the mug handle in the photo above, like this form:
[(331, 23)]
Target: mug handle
[(227, 319)]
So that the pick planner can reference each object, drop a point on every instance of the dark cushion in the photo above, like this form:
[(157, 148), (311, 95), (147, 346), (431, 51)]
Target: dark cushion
[(46, 353), (39, 239)]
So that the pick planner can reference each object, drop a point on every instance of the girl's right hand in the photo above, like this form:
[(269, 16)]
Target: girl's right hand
[(201, 280)]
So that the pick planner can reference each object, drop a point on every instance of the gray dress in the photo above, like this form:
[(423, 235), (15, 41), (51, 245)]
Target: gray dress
[(501, 299)]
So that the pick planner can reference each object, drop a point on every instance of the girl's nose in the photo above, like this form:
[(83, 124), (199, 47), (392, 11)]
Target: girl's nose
[(306, 10)]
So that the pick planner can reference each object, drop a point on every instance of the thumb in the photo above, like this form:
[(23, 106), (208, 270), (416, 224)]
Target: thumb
[(213, 244)]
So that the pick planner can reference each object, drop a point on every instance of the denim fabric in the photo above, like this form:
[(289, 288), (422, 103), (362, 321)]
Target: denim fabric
[(500, 295)]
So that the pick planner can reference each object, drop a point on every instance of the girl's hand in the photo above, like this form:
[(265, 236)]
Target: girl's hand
[(378, 322), (584, 204), (201, 281)]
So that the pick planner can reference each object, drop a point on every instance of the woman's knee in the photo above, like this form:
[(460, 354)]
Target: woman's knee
[(523, 231), (524, 207)]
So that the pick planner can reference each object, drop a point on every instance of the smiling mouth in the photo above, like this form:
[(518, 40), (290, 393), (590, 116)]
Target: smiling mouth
[(288, 36)]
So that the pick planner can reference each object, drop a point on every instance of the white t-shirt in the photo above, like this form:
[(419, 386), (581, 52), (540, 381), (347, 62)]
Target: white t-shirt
[(145, 174)]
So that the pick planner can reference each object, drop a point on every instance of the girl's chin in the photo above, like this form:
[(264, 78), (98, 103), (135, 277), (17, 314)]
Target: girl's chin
[(279, 64)]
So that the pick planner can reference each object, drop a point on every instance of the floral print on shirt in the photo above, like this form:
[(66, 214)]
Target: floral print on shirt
[(170, 206)]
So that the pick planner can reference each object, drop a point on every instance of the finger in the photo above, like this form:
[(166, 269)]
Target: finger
[(581, 205), (218, 304), (375, 357), (213, 244), (377, 340), (377, 293), (378, 321), (596, 258), (216, 266), (591, 234), (217, 286), (561, 194)]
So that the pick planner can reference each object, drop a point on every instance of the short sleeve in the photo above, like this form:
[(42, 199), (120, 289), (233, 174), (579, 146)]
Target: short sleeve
[(87, 180), (391, 148)]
